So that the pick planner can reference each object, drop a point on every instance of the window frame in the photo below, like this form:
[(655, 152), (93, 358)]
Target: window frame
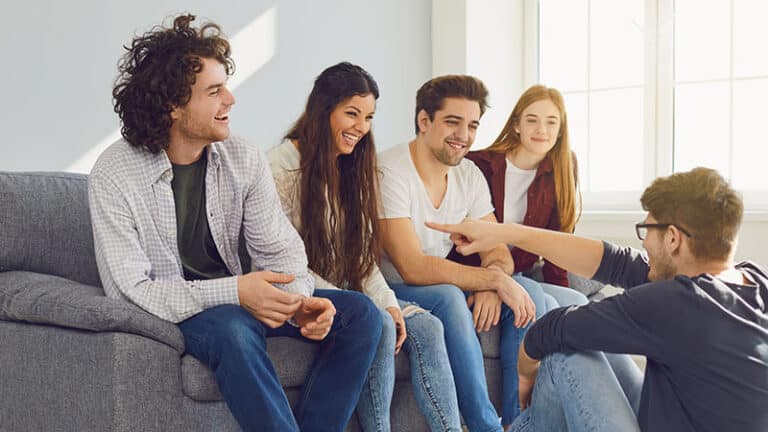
[(658, 101)]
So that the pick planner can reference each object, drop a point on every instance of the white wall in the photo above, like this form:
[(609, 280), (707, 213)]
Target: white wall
[(59, 63), (484, 39)]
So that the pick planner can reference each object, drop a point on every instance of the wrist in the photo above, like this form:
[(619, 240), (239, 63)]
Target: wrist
[(495, 278)]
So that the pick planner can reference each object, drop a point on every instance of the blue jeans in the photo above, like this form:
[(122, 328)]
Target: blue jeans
[(557, 296), (580, 392), (431, 377), (233, 344), (623, 366), (448, 303)]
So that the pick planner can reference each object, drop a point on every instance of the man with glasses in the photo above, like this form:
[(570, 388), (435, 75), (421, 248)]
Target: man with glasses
[(700, 319)]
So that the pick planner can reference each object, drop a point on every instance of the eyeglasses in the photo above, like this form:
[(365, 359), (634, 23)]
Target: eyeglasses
[(642, 229)]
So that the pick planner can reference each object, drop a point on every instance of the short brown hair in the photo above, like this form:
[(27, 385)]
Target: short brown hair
[(431, 95), (156, 74), (704, 204)]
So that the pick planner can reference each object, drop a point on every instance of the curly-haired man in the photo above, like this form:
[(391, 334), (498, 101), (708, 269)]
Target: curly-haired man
[(169, 203)]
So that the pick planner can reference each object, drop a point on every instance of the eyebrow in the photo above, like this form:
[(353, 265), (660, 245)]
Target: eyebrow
[(217, 85), (458, 117), (535, 116), (358, 109)]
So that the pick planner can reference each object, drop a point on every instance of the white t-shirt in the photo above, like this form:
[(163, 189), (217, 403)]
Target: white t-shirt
[(516, 184), (403, 195)]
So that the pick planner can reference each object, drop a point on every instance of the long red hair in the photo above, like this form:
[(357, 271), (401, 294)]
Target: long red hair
[(566, 179)]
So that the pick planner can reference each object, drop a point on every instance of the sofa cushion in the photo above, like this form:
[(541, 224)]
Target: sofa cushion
[(45, 299), (291, 358), (46, 225)]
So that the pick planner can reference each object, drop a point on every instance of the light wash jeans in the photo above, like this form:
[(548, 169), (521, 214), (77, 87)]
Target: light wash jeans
[(582, 392), (448, 303), (557, 296), (431, 376)]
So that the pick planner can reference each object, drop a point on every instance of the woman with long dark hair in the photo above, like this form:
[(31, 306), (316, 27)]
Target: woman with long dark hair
[(325, 172)]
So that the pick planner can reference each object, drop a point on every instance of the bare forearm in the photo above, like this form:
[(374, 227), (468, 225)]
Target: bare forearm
[(499, 257), (432, 270), (579, 255)]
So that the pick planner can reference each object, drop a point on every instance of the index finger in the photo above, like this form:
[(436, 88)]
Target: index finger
[(274, 277), (446, 228), (285, 297)]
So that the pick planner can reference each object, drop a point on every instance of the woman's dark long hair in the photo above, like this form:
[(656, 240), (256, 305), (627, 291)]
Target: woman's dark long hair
[(338, 195)]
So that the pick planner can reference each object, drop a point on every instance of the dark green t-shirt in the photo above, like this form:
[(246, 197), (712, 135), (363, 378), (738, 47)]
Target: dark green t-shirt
[(199, 256)]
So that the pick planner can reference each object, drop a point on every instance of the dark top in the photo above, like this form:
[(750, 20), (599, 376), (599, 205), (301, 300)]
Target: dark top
[(199, 256), (541, 212), (706, 342)]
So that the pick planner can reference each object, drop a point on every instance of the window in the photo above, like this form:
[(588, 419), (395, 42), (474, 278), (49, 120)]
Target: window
[(658, 86)]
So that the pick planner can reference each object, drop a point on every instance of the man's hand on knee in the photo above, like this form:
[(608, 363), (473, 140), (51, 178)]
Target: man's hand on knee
[(315, 317), (267, 303)]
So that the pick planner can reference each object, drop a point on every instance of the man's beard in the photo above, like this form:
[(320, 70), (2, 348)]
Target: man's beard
[(446, 158), (663, 268)]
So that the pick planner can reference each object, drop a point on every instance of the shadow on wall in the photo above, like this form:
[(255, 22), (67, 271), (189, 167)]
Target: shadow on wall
[(59, 113), (252, 47)]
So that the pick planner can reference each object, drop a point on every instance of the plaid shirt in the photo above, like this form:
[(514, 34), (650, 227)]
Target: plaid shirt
[(134, 228)]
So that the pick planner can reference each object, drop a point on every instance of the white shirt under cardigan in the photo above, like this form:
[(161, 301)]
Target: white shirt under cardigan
[(516, 184), (403, 195), (284, 161)]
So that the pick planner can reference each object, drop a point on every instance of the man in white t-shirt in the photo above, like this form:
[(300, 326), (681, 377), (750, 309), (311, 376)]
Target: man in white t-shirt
[(428, 179)]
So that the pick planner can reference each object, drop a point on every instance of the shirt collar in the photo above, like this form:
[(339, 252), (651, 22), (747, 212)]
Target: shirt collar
[(160, 168)]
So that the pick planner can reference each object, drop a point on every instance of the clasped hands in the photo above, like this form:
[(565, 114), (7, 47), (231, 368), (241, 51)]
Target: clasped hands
[(273, 306)]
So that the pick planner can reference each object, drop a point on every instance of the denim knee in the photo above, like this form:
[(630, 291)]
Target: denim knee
[(388, 332), (355, 310), (425, 326)]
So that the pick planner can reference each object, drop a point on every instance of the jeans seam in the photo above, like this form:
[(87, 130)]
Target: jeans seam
[(425, 385), (374, 399)]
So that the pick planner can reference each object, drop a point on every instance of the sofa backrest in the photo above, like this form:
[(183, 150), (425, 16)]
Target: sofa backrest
[(45, 225)]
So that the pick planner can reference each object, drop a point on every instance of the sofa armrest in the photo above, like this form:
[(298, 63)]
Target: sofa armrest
[(45, 299)]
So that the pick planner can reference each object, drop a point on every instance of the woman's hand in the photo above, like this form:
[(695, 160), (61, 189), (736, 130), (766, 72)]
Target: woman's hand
[(397, 317)]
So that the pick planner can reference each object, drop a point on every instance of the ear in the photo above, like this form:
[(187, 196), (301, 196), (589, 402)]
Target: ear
[(673, 239), (175, 113), (423, 121)]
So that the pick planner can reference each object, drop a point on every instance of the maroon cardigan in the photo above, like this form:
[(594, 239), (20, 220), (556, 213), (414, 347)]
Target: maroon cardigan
[(541, 213)]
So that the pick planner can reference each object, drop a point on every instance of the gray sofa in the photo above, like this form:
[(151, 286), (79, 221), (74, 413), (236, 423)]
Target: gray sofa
[(72, 359)]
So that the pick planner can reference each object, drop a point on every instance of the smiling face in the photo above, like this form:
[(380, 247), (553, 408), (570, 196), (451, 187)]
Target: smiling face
[(205, 118), (538, 128), (451, 133), (350, 121)]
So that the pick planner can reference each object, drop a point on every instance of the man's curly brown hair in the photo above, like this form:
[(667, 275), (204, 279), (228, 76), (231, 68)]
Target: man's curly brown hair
[(157, 74)]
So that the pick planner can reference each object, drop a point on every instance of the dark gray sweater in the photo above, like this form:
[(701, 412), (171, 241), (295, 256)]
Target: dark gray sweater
[(706, 342)]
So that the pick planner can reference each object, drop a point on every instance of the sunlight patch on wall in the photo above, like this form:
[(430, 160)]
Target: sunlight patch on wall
[(252, 47)]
